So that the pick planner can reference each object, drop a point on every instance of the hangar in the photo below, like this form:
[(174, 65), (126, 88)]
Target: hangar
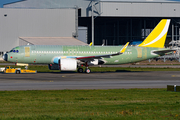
[(115, 21)]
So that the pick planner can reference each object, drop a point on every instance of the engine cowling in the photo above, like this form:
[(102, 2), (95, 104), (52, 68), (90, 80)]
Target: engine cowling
[(67, 64), (64, 65), (96, 62)]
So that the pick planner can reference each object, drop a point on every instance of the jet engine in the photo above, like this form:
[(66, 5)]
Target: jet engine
[(96, 62), (67, 64), (64, 65)]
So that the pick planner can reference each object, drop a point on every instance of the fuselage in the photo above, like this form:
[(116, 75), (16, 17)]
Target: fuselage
[(50, 54)]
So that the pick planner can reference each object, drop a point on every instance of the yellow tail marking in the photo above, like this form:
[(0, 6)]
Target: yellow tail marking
[(124, 48), (157, 37)]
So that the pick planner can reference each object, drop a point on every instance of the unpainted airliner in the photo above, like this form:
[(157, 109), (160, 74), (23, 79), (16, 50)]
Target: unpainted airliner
[(71, 58)]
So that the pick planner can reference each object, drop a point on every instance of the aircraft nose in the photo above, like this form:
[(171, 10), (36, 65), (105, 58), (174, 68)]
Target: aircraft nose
[(5, 57)]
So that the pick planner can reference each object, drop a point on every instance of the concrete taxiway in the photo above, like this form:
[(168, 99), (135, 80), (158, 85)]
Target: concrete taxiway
[(105, 80)]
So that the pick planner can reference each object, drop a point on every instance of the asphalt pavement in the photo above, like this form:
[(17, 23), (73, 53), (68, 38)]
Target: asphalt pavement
[(104, 80)]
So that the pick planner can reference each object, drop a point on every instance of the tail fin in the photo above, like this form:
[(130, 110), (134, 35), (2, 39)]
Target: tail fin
[(157, 37)]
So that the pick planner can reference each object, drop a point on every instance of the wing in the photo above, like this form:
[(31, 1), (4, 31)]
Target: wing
[(89, 58)]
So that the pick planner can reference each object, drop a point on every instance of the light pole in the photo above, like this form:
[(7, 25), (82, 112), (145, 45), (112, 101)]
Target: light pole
[(92, 17)]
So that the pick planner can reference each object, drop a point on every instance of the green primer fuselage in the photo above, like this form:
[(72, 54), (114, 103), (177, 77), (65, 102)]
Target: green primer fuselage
[(46, 54)]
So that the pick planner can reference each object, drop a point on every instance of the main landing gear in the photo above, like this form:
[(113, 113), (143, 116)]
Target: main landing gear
[(80, 70), (87, 70)]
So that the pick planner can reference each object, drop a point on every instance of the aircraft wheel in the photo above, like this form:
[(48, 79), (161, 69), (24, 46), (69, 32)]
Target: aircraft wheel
[(17, 72), (80, 70), (87, 70)]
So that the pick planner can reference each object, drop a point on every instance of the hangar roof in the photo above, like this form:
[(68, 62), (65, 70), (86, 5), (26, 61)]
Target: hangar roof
[(3, 2), (50, 41), (140, 0)]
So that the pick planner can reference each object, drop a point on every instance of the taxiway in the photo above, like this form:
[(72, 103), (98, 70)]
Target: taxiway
[(105, 80)]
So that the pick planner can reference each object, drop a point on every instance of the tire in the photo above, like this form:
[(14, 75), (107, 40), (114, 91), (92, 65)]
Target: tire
[(80, 70), (17, 72), (87, 70)]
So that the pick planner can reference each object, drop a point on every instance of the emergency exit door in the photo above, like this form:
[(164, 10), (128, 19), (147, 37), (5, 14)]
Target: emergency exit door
[(27, 51), (139, 53)]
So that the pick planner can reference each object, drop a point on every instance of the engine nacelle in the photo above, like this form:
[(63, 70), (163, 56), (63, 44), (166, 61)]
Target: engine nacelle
[(67, 64), (94, 62)]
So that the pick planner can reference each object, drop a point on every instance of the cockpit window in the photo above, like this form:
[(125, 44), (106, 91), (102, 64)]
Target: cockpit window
[(14, 51)]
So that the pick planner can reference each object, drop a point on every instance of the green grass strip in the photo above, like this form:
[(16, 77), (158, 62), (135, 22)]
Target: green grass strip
[(116, 104)]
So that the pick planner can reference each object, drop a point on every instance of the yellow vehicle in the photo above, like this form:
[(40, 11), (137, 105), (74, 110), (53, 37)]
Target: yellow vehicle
[(9, 69)]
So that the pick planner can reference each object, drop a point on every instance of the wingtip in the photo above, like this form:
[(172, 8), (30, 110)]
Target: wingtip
[(124, 48)]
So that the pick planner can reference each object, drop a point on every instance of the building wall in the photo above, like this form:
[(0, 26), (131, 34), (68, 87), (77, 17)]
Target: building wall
[(17, 23), (82, 34), (84, 5), (142, 9)]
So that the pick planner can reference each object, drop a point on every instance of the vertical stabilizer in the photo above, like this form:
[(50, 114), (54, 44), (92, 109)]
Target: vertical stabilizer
[(157, 37)]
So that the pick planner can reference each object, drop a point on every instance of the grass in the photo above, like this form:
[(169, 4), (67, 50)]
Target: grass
[(115, 104)]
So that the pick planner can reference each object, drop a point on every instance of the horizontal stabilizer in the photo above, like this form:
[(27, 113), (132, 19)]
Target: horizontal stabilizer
[(163, 51)]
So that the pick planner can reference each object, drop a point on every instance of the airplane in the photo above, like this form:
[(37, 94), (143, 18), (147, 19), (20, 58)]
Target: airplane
[(71, 58)]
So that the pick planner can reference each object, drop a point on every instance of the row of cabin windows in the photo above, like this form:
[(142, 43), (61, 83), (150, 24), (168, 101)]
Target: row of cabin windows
[(68, 52), (77, 52)]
